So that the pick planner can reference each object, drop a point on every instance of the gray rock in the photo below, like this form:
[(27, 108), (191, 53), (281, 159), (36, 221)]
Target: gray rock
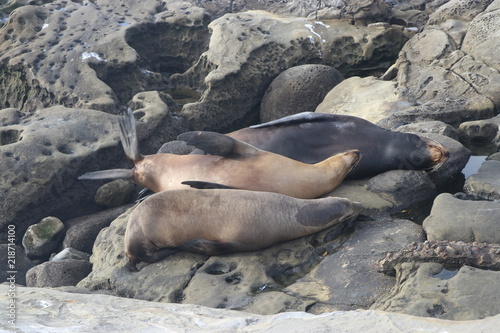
[(241, 47), (100, 67), (176, 147), (485, 184), (81, 232), (453, 219), (43, 158), (487, 130), (298, 89), (347, 279), (70, 253), (50, 274), (43, 238), (10, 116), (436, 127), (93, 312), (14, 262), (115, 193), (431, 290), (402, 187)]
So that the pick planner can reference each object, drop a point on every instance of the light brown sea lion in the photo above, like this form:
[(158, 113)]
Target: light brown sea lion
[(220, 221), (232, 163), (311, 137)]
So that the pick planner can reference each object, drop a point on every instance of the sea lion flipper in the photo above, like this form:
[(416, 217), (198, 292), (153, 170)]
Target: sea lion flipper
[(217, 144), (303, 117), (206, 185), (128, 135), (108, 174)]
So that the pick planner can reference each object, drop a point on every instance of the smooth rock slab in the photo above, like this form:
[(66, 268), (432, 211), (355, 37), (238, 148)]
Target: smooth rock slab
[(453, 219), (427, 290), (42, 310)]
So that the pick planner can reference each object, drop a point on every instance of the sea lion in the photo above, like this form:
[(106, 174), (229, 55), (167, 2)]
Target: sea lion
[(232, 163), (220, 221), (311, 137)]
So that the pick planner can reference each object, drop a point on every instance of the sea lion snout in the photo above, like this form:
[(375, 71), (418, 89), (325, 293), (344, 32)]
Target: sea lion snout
[(437, 152)]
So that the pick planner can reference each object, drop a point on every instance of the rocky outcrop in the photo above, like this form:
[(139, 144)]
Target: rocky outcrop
[(74, 312), (257, 46), (433, 290)]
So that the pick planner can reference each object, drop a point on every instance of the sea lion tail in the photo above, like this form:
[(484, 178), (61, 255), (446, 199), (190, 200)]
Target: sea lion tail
[(108, 174), (128, 135)]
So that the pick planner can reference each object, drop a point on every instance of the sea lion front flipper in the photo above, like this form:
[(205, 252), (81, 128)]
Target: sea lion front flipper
[(206, 185), (303, 117), (212, 248), (217, 144), (108, 174)]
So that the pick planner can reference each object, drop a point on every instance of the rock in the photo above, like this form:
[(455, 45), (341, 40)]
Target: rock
[(14, 255), (367, 98), (101, 67), (70, 253), (41, 239), (254, 47), (485, 131), (453, 219), (115, 193), (298, 89), (402, 187), (66, 272), (10, 116), (346, 279), (431, 290), (93, 310), (485, 184), (176, 147), (81, 232), (42, 158), (365, 11), (435, 127)]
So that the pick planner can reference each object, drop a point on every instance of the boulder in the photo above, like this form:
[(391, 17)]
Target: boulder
[(115, 193), (298, 89), (51, 274), (435, 127), (70, 253), (43, 238), (453, 219), (432, 290), (485, 184), (81, 232)]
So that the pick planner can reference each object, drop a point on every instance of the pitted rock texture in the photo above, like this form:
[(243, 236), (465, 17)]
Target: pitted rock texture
[(254, 47), (473, 221), (431, 290), (66, 272), (90, 55)]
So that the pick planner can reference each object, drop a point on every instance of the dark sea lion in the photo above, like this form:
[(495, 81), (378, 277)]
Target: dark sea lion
[(311, 137), (219, 221), (231, 163)]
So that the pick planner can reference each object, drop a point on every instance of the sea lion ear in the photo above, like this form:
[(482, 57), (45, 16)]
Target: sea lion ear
[(206, 185), (217, 144)]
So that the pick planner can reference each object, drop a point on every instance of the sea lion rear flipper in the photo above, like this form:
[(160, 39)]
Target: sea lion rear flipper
[(108, 174), (217, 144), (303, 117), (210, 247), (206, 185)]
